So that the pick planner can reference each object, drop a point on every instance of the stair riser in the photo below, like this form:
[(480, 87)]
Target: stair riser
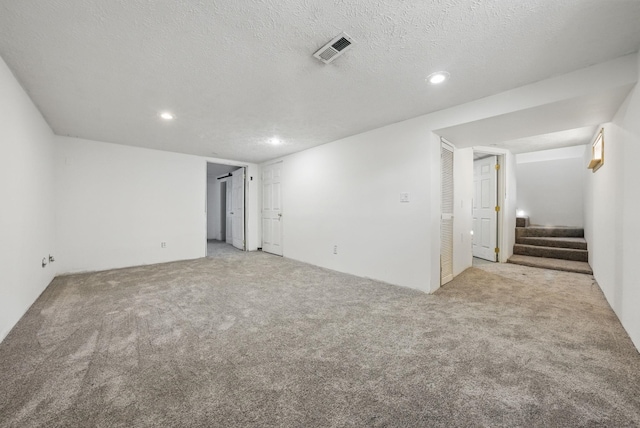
[(577, 269), (549, 232), (545, 243), (550, 252)]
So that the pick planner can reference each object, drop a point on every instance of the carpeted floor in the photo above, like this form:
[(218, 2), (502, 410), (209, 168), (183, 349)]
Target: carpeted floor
[(217, 248), (250, 339)]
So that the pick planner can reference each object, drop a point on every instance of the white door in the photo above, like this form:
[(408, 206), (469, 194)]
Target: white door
[(446, 214), (237, 209), (485, 215), (272, 208), (228, 217)]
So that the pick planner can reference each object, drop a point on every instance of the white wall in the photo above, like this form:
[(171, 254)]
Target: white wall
[(550, 186), (612, 204), (116, 204), (347, 193), (26, 202)]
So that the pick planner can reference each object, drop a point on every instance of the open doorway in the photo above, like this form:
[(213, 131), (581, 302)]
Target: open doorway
[(487, 206), (225, 209), (462, 228)]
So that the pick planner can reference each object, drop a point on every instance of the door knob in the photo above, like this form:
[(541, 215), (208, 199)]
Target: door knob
[(279, 214)]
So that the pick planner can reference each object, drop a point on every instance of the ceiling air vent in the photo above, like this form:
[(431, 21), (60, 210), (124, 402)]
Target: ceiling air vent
[(334, 48)]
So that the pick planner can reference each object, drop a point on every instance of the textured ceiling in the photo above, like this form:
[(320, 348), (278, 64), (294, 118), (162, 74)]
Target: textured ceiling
[(560, 124), (237, 73), (553, 140)]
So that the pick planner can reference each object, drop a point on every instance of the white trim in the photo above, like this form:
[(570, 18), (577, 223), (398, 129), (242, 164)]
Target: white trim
[(447, 144)]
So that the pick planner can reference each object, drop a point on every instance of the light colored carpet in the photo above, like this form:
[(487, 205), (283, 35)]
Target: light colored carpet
[(221, 249), (250, 339)]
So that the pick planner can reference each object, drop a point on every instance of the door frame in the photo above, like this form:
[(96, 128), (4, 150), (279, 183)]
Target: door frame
[(245, 222)]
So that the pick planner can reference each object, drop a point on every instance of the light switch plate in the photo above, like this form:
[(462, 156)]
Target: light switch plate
[(404, 197)]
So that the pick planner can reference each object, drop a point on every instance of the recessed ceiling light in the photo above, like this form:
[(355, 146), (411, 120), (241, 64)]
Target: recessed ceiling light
[(167, 116), (274, 141), (437, 77)]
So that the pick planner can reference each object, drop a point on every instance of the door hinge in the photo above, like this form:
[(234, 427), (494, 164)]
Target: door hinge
[(497, 208), (497, 167), (497, 250)]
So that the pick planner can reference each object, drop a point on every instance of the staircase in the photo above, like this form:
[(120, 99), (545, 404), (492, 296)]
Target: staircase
[(550, 247)]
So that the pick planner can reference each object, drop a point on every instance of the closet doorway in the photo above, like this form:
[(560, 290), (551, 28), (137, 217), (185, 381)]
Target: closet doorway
[(225, 209)]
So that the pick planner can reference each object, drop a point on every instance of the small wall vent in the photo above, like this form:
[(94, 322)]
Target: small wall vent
[(336, 47)]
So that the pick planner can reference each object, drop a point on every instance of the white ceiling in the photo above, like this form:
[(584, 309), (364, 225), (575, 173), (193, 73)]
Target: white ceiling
[(561, 124), (237, 73), (552, 140)]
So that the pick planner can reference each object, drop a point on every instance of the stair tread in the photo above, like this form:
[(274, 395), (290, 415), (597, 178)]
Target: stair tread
[(550, 232), (551, 252), (559, 238), (552, 248), (554, 264), (557, 242), (538, 226)]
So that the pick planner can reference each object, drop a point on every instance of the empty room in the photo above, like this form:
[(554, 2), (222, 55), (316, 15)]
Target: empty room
[(319, 214)]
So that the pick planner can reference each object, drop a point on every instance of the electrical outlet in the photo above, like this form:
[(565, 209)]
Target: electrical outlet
[(163, 245), (335, 249), (404, 197)]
